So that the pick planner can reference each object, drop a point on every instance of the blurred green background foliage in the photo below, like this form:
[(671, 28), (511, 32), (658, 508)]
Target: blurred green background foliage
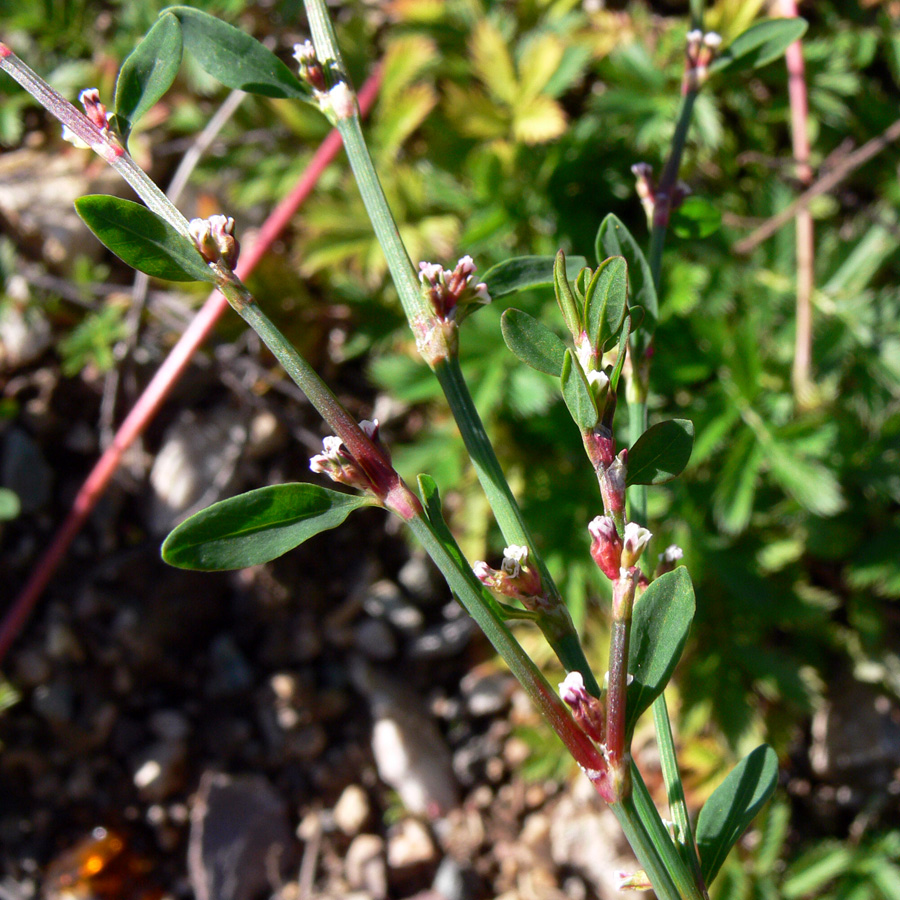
[(509, 128)]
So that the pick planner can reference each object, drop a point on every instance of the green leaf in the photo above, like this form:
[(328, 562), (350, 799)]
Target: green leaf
[(577, 393), (660, 625), (605, 301), (10, 507), (234, 58), (431, 499), (614, 239), (696, 218), (810, 483), (736, 482), (532, 342), (620, 359), (523, 272), (148, 72), (661, 452), (256, 527), (142, 239), (733, 806), (759, 45)]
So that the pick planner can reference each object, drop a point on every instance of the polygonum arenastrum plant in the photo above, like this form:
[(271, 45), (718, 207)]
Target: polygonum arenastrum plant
[(610, 313)]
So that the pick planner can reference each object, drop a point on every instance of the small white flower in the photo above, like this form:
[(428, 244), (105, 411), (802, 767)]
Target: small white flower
[(430, 273), (305, 53), (671, 554), (370, 428), (342, 101), (636, 537), (466, 266), (597, 380), (331, 446), (482, 570), (712, 40), (572, 690), (514, 557), (694, 37)]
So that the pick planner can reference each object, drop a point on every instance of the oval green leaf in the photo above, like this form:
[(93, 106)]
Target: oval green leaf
[(142, 239), (148, 72), (695, 219), (533, 342), (523, 272), (236, 59), (660, 625), (256, 527), (733, 806), (577, 393), (606, 300), (661, 452), (614, 239), (759, 45)]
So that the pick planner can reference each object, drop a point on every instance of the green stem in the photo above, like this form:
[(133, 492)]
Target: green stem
[(637, 494), (684, 834), (556, 624), (660, 839)]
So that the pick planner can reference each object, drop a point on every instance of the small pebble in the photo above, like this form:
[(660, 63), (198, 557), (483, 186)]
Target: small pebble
[(442, 641), (364, 866), (375, 639), (409, 844), (352, 810), (385, 600)]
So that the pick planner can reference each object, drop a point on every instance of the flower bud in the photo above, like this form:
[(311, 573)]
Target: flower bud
[(635, 539), (587, 710), (515, 578), (214, 238), (668, 558), (606, 546), (612, 484)]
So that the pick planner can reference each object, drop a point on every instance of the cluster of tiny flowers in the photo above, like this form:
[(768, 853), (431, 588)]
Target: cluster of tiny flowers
[(337, 463), (214, 238), (339, 101), (95, 111), (514, 578), (701, 49), (450, 291)]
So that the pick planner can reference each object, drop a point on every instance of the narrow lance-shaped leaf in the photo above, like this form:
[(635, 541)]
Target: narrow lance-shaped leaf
[(533, 342), (660, 625), (661, 452), (733, 806), (234, 58), (256, 527), (577, 393), (614, 239), (524, 272), (759, 45), (148, 72), (605, 301), (142, 239)]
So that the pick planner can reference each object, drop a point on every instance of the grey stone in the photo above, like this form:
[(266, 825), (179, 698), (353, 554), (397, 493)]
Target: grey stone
[(240, 839), (352, 810), (442, 641), (364, 865), (375, 639)]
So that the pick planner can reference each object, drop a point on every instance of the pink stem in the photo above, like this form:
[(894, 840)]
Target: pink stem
[(804, 222), (166, 376)]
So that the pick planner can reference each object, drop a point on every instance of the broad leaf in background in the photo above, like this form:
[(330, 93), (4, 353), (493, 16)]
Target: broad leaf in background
[(614, 239), (660, 625), (532, 342), (696, 218), (733, 806), (523, 272), (142, 239), (148, 72), (605, 301), (256, 527), (759, 45), (661, 452), (577, 393), (234, 58), (809, 482)]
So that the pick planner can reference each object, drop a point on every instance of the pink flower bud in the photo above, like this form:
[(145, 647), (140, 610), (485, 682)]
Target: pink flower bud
[(606, 546), (587, 710), (612, 484)]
